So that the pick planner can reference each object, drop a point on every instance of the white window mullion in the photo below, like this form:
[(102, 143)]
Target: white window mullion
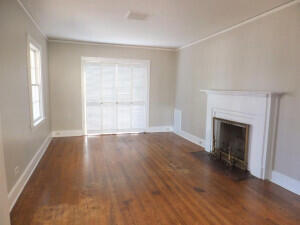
[(101, 97), (131, 94), (116, 105)]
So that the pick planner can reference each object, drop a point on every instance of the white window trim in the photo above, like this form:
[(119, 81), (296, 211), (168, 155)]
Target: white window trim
[(85, 59), (38, 122)]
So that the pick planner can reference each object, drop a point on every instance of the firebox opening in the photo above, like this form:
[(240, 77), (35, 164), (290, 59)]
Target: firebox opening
[(230, 142)]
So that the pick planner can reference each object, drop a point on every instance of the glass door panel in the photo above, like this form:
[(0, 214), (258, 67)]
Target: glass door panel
[(116, 97)]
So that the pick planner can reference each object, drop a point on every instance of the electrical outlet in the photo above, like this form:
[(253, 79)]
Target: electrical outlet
[(17, 170)]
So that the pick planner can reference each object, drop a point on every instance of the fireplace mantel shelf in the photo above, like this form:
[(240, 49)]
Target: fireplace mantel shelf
[(242, 93)]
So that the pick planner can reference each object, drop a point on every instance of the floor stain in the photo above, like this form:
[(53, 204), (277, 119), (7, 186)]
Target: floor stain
[(198, 189), (84, 212), (156, 192)]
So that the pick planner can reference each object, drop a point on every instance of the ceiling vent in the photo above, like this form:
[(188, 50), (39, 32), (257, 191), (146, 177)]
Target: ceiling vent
[(131, 15)]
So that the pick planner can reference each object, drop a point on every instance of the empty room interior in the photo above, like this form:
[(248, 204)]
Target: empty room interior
[(139, 112)]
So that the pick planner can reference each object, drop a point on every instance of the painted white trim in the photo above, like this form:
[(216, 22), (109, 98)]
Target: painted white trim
[(192, 138), (286, 182), (249, 20), (37, 123), (67, 133), (32, 19), (112, 132), (259, 110), (148, 62), (65, 41), (85, 59), (83, 97), (23, 179), (159, 129), (282, 180), (74, 133), (241, 93), (177, 119)]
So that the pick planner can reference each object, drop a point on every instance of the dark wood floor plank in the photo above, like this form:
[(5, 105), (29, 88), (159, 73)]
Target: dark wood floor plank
[(145, 179)]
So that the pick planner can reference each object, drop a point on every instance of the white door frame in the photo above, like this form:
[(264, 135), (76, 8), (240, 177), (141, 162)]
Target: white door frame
[(4, 207), (85, 59)]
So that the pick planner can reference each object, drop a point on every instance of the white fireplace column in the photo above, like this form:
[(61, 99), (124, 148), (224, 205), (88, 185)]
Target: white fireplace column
[(259, 109)]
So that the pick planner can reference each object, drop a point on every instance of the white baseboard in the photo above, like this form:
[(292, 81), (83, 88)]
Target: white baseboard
[(67, 133), (23, 179), (286, 182), (73, 133), (192, 138), (160, 129)]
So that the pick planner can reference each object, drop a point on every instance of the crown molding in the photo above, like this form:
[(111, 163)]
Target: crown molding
[(249, 20), (32, 19), (66, 41)]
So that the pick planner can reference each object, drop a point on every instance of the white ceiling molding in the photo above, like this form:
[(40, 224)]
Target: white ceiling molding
[(32, 19), (111, 45), (144, 44), (271, 11)]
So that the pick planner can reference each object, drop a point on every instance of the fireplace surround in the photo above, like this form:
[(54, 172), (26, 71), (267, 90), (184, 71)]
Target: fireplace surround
[(258, 109)]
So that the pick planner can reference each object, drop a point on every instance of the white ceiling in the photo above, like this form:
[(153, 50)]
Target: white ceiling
[(170, 23)]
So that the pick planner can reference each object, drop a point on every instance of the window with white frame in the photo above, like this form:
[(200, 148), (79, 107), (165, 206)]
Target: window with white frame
[(35, 83), (116, 95)]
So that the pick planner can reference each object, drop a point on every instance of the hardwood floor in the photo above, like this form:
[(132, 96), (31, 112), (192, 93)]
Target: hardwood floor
[(145, 179)]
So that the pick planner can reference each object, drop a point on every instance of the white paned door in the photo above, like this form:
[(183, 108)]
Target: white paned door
[(116, 96)]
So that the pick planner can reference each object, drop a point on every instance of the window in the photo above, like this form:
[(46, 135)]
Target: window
[(116, 95), (35, 83)]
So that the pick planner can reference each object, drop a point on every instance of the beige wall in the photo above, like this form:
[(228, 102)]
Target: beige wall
[(20, 142), (262, 55), (4, 212), (65, 81)]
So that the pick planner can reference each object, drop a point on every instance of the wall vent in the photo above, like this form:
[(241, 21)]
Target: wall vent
[(131, 15)]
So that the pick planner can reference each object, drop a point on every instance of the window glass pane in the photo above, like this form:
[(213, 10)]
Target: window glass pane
[(33, 75), (93, 116), (38, 67), (124, 121), (138, 94), (108, 94), (108, 75), (124, 83), (139, 76), (36, 110), (138, 116), (108, 82), (108, 113), (33, 66), (32, 58), (35, 94), (139, 83), (93, 82)]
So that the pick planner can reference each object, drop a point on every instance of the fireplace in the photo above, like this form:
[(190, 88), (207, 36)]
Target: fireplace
[(230, 142), (258, 109)]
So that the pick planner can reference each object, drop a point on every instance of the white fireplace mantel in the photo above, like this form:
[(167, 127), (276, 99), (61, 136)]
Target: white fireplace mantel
[(259, 109)]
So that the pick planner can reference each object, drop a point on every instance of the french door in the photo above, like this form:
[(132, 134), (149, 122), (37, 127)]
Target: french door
[(116, 95)]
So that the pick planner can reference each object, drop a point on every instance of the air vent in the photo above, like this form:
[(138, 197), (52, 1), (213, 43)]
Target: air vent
[(131, 15)]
